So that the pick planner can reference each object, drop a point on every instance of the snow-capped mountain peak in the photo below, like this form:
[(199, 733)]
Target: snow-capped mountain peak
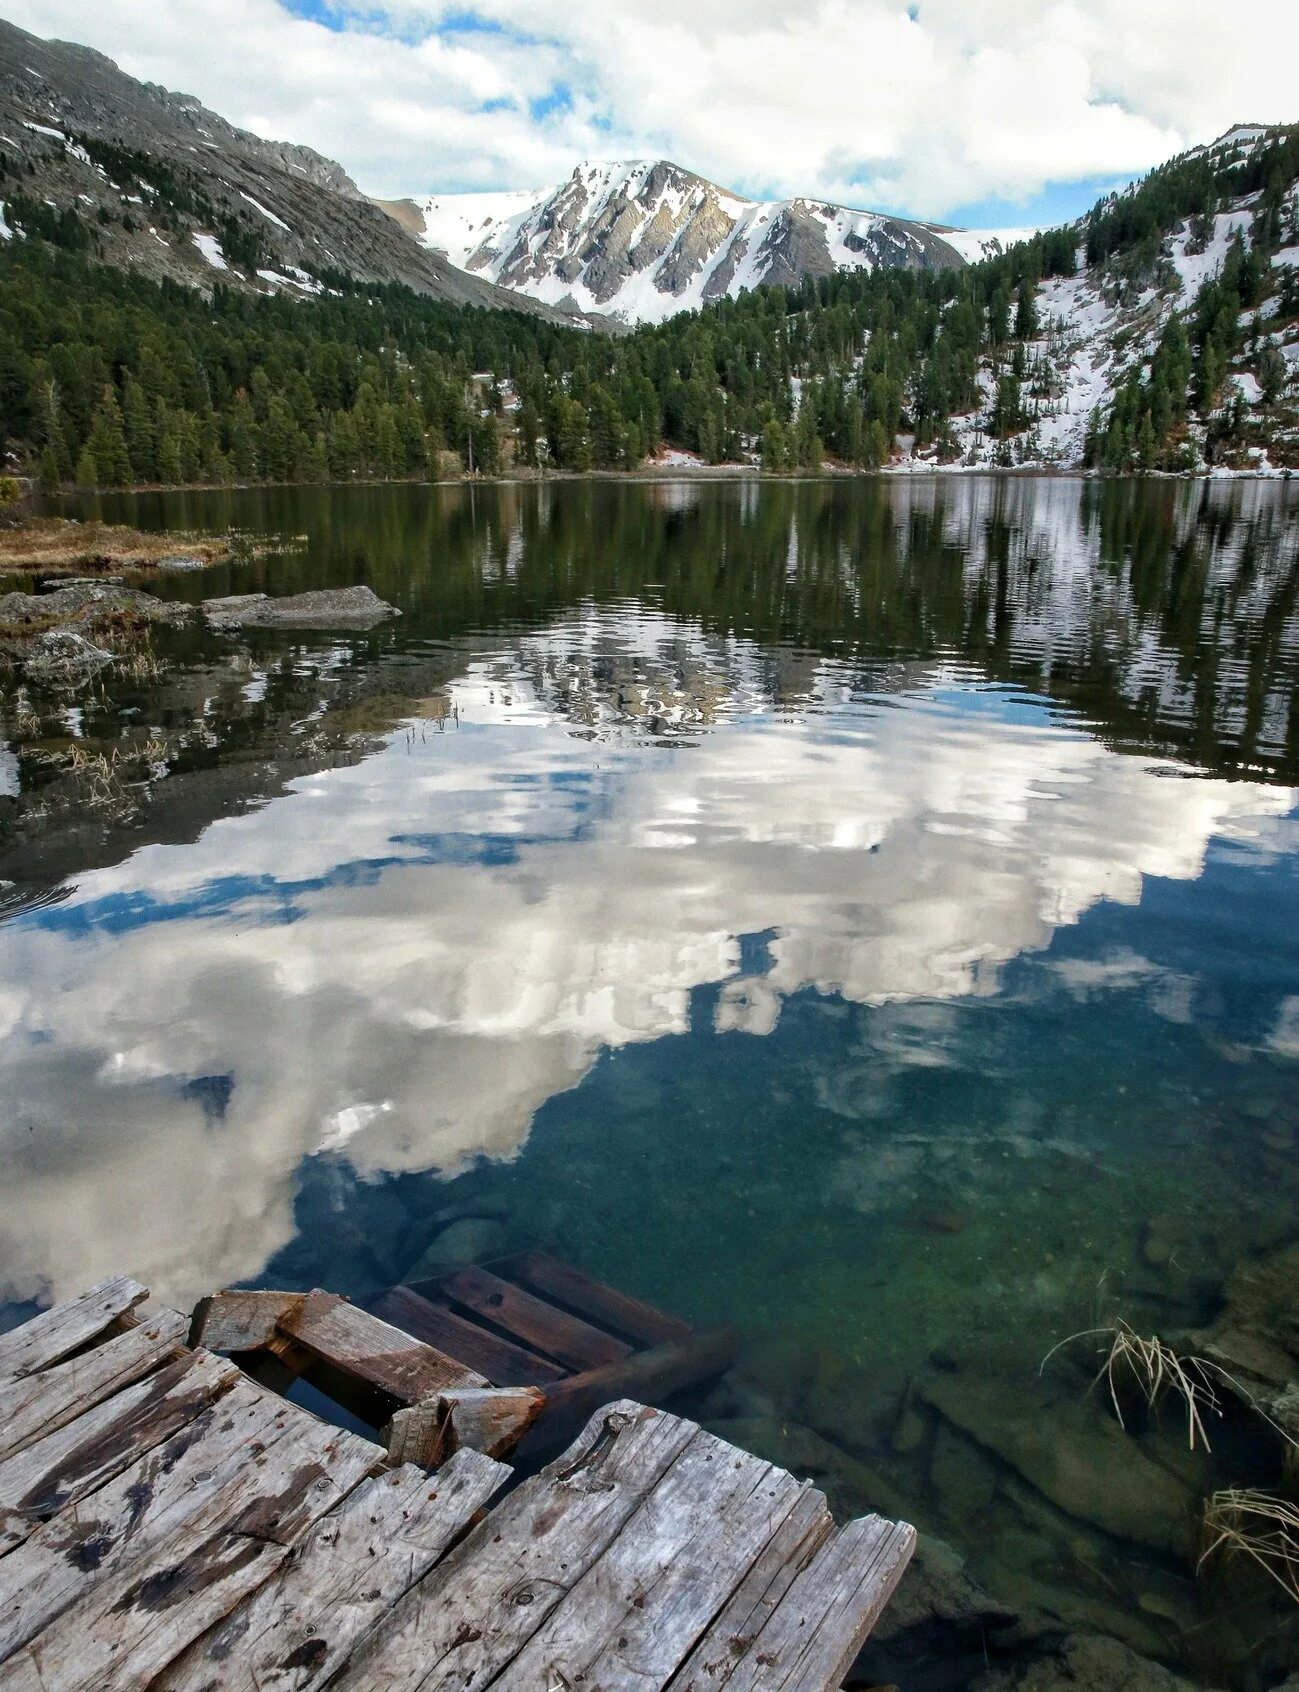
[(640, 239)]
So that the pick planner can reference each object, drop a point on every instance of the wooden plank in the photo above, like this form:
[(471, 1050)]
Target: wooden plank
[(808, 1525), (466, 1621), (36, 1405), (234, 1439), (612, 1309), (299, 1628), (361, 1345), (76, 1460), (641, 1607), (499, 1360), (811, 1637), (651, 1376), (136, 1619), (241, 1321), (566, 1338), (65, 1328)]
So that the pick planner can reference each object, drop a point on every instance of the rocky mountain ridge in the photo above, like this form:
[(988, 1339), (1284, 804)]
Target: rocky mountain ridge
[(640, 240), (153, 181)]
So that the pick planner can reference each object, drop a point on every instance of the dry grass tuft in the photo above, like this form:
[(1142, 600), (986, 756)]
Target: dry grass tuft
[(1152, 1369), (1256, 1525)]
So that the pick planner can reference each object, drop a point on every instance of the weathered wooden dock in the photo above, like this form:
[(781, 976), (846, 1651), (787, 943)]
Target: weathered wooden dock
[(168, 1522)]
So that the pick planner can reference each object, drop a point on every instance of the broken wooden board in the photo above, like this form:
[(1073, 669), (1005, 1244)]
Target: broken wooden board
[(497, 1359), (56, 1333), (487, 1419), (538, 1324), (37, 1404)]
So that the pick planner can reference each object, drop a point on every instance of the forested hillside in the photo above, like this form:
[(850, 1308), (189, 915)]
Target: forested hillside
[(1163, 332)]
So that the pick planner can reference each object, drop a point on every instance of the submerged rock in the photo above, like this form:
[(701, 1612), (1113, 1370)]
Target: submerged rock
[(322, 608), (1256, 1336), (472, 1239), (1085, 1663), (1075, 1456)]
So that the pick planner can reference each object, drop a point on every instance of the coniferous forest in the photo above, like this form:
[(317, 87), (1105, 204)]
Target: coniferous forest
[(109, 379)]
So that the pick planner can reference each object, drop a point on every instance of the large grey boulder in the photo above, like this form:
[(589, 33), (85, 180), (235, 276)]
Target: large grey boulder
[(322, 608)]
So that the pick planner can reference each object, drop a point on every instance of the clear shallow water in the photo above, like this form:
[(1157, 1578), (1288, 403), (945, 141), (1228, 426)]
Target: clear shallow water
[(862, 914)]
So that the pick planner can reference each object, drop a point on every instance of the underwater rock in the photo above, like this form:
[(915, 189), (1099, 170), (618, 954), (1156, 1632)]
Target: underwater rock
[(909, 1432), (1256, 1336), (852, 1487), (1074, 1455), (472, 1239), (961, 1475), (322, 608), (1085, 1663)]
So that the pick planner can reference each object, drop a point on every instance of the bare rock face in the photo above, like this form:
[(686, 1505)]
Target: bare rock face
[(301, 213), (640, 240)]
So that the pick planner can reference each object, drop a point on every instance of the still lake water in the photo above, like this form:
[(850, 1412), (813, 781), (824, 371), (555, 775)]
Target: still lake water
[(862, 913)]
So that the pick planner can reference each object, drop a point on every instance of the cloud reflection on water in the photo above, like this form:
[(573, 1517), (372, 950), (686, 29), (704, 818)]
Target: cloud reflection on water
[(406, 958)]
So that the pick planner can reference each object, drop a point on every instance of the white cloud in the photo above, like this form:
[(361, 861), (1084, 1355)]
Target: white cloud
[(851, 99)]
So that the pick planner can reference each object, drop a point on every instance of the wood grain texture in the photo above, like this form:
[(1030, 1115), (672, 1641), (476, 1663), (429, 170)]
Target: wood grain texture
[(118, 1634), (383, 1356), (35, 1405), (77, 1459), (567, 1339), (499, 1360), (65, 1328), (646, 1600), (468, 1620), (809, 1640), (241, 1321), (626, 1315), (299, 1628)]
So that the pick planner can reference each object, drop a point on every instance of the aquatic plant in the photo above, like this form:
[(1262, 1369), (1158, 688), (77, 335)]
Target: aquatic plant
[(1256, 1525), (1152, 1368)]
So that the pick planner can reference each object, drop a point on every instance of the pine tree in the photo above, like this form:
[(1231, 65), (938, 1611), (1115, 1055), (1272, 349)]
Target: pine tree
[(87, 469)]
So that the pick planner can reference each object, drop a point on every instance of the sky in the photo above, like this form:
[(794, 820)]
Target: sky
[(976, 112)]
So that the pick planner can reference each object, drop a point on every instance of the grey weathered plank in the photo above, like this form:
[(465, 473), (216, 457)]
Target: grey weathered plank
[(745, 1613), (293, 1633), (472, 1615), (65, 1328), (232, 1441), (36, 1405), (627, 1624), (76, 1460), (139, 1616), (362, 1345), (812, 1635)]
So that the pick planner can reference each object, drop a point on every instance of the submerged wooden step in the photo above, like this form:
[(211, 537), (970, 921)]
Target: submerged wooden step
[(174, 1524)]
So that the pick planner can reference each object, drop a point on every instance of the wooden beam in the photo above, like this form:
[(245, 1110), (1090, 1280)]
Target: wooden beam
[(55, 1333), (498, 1360), (241, 1321), (566, 1338), (606, 1305), (651, 1376), (361, 1345)]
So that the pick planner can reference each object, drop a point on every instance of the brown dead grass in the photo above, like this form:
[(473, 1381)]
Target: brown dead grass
[(59, 544)]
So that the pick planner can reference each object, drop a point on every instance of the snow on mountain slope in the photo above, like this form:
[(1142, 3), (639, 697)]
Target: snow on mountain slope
[(642, 239)]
